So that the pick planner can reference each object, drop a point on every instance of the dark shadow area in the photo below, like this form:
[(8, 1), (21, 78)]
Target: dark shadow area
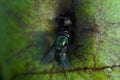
[(68, 7), (82, 30), (84, 33)]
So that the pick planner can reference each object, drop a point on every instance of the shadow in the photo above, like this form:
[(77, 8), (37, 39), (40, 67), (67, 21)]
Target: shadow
[(68, 7), (84, 33), (82, 29)]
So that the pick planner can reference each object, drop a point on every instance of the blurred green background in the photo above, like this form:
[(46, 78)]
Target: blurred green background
[(27, 30)]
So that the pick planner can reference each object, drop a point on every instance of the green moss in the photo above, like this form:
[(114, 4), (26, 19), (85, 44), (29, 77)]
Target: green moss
[(25, 22)]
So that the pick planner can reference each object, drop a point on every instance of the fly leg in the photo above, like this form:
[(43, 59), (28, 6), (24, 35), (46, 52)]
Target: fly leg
[(73, 48)]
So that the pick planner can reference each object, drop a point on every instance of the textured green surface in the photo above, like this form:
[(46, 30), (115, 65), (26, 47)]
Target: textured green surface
[(27, 31)]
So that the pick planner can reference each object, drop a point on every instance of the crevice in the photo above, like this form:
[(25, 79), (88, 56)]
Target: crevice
[(94, 60), (96, 41), (68, 71)]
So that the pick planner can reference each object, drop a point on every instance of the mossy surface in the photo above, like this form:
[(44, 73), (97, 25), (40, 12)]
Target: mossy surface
[(27, 30)]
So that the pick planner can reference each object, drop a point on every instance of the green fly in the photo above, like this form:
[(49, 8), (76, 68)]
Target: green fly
[(59, 50)]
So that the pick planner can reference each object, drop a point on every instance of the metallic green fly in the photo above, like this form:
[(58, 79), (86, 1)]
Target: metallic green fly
[(60, 48)]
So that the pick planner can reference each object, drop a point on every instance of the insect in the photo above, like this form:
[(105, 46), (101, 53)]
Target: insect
[(60, 48)]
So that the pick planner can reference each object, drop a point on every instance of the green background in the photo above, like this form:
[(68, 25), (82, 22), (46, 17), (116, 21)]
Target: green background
[(27, 31)]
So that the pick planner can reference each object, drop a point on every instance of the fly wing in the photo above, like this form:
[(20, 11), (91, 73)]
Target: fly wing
[(65, 62), (48, 56), (65, 59)]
